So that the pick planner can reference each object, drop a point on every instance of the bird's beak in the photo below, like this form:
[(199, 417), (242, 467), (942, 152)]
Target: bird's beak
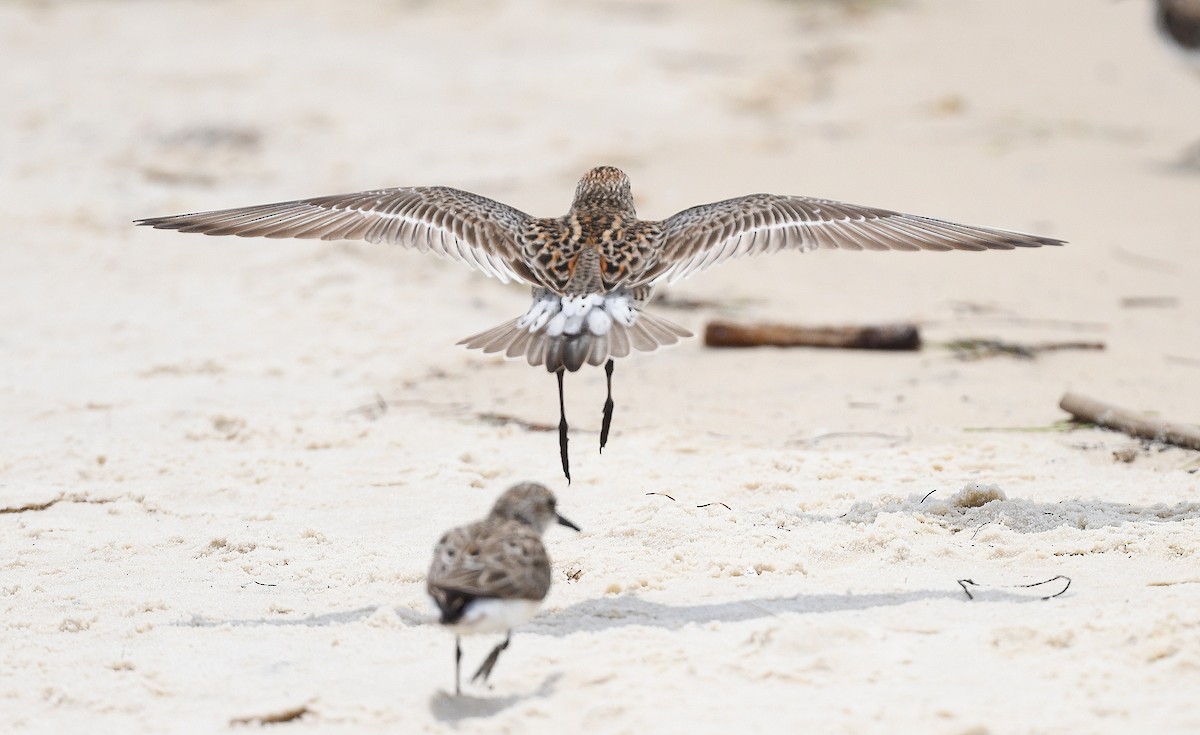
[(564, 522)]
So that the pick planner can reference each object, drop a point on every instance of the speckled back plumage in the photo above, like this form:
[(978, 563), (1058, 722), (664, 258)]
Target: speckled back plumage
[(488, 558), (501, 556)]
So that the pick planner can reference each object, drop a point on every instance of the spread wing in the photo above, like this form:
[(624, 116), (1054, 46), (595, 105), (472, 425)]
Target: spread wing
[(478, 231), (487, 559), (764, 223)]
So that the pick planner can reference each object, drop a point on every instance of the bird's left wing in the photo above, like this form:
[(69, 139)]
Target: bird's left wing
[(762, 223)]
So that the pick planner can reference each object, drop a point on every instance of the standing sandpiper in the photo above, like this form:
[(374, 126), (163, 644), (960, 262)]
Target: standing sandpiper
[(492, 575), (593, 269)]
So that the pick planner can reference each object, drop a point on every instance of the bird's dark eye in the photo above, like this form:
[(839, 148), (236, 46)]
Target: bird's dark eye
[(551, 503)]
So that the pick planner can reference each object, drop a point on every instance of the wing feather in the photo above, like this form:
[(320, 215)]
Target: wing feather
[(502, 559), (478, 231), (703, 236)]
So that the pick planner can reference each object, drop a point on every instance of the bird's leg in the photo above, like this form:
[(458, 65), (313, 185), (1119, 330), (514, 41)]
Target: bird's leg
[(608, 406), (457, 665), (490, 662), (562, 429)]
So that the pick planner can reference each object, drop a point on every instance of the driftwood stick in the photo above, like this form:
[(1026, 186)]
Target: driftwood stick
[(882, 337), (1109, 416), (974, 348)]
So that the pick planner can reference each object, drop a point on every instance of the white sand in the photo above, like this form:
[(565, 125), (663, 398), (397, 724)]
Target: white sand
[(210, 533)]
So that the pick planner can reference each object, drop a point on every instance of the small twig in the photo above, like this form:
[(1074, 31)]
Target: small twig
[(1141, 260), (1055, 578), (881, 337), (990, 313), (977, 348), (931, 492), (667, 301), (62, 498), (964, 583), (458, 409), (440, 408), (503, 419), (1132, 423), (668, 497), (1149, 302), (726, 507), (1056, 427), (34, 506), (374, 410), (273, 718), (977, 530)]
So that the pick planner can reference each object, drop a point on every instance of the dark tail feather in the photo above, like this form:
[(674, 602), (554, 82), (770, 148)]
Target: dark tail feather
[(452, 604)]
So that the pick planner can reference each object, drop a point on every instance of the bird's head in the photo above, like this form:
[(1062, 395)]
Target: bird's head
[(605, 187), (530, 503)]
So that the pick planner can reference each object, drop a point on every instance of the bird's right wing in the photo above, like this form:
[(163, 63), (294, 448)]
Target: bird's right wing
[(478, 231)]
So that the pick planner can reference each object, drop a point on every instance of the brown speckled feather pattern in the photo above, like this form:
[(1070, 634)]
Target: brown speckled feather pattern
[(500, 557), (491, 558)]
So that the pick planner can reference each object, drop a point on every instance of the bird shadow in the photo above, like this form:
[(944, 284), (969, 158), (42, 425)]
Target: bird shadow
[(453, 708), (603, 613), (613, 612), (343, 617)]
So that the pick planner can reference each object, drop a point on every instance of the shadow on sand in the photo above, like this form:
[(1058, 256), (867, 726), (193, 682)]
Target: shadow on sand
[(407, 616), (450, 708), (613, 612)]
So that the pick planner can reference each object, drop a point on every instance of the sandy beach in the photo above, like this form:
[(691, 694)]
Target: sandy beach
[(226, 461)]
